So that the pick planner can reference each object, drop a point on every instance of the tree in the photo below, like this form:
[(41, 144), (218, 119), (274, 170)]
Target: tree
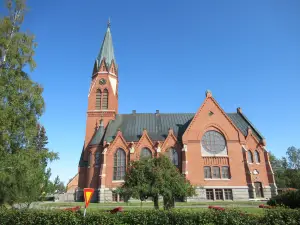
[(153, 178), (23, 155), (287, 169), (59, 185), (293, 156)]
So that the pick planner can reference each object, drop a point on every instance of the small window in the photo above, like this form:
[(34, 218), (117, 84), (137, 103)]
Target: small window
[(219, 194), (250, 157), (97, 159), (216, 172), (228, 194), (105, 99), (209, 194), (225, 172), (256, 155), (207, 172), (145, 153)]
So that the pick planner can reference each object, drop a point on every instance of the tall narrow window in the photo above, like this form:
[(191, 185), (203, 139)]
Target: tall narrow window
[(105, 99), (119, 164), (256, 155), (90, 159), (207, 172), (250, 157), (225, 172), (219, 194), (98, 99), (97, 159), (216, 172), (209, 194), (173, 156), (145, 153)]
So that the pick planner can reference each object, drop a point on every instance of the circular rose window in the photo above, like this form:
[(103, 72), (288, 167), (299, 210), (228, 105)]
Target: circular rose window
[(213, 142)]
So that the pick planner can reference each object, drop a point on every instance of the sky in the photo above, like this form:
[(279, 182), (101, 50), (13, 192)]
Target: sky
[(169, 53)]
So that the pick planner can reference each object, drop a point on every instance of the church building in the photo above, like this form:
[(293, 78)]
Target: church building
[(221, 153)]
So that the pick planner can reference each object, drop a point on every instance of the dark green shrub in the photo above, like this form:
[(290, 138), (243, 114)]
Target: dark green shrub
[(153, 217), (281, 216), (289, 199)]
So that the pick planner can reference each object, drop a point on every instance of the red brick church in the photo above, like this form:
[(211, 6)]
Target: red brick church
[(221, 153)]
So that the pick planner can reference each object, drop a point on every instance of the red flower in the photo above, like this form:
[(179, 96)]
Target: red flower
[(73, 209), (265, 206), (115, 210), (216, 208)]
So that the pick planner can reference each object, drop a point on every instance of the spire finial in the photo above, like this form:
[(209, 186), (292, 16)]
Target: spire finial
[(108, 22)]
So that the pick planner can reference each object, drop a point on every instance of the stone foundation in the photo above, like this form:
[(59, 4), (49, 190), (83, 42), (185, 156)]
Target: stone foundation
[(239, 193), (105, 195)]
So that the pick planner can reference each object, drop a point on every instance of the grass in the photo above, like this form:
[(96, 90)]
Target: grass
[(137, 204), (244, 206)]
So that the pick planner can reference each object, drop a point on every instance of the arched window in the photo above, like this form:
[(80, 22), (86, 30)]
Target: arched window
[(119, 164), (98, 99), (250, 157), (145, 153), (173, 156), (90, 159), (105, 99), (213, 142), (256, 155), (97, 159)]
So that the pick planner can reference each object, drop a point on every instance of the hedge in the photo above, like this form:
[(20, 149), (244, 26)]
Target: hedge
[(289, 199), (153, 217)]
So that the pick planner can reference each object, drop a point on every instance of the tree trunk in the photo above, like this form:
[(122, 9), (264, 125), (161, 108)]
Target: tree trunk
[(155, 200)]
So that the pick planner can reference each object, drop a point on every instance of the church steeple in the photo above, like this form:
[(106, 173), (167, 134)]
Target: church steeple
[(107, 49)]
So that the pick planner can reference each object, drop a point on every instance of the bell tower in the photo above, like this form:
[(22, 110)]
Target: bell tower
[(103, 92)]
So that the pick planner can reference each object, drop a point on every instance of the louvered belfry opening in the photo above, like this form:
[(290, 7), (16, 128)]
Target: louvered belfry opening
[(105, 99), (98, 99)]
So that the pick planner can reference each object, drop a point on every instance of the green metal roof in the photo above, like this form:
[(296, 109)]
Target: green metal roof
[(107, 49), (243, 123), (158, 124)]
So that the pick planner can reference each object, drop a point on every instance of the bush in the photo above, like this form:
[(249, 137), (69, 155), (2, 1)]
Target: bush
[(289, 199), (154, 217)]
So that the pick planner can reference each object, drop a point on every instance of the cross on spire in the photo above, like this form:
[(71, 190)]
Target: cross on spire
[(108, 22)]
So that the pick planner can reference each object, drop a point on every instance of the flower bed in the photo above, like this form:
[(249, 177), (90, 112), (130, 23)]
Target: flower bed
[(216, 208)]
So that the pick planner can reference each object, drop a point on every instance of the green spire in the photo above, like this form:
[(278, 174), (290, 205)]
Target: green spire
[(107, 48)]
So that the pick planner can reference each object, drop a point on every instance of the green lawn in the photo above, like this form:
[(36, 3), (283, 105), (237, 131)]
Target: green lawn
[(245, 206), (179, 204)]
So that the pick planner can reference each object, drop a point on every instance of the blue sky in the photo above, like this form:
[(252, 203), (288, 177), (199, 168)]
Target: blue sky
[(169, 52)]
